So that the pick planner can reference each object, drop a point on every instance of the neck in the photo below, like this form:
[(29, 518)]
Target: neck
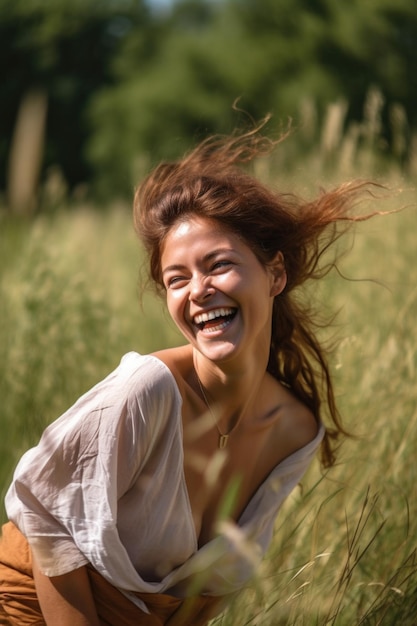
[(231, 390)]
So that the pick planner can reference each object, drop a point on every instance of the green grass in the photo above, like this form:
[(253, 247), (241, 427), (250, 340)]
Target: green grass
[(70, 308), (345, 546)]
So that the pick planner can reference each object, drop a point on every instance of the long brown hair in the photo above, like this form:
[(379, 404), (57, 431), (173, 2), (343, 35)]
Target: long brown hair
[(211, 182)]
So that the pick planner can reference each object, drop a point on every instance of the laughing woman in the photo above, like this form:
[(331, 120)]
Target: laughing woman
[(117, 515)]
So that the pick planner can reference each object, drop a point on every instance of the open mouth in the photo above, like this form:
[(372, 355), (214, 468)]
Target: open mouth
[(214, 320)]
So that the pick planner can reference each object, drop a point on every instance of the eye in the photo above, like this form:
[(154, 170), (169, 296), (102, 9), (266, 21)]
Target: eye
[(175, 282), (219, 265)]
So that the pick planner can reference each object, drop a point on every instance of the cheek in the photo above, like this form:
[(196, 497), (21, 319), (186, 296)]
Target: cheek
[(230, 282), (175, 306)]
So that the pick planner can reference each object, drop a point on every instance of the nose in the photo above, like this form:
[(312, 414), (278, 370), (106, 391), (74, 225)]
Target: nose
[(200, 288)]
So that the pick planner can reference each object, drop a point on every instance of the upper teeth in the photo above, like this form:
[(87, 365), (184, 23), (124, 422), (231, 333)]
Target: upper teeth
[(211, 315)]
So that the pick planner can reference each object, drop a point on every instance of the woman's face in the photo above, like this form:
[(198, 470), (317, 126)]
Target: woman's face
[(218, 293)]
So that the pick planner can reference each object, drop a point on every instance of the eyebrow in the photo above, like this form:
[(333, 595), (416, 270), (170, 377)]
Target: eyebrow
[(208, 257)]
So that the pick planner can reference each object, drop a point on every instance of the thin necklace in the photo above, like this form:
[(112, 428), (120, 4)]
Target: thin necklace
[(223, 437)]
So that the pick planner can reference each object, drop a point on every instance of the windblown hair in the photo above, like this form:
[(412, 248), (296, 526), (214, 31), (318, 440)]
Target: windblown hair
[(210, 182)]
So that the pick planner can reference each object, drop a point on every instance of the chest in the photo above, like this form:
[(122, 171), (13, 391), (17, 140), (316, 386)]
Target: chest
[(221, 482)]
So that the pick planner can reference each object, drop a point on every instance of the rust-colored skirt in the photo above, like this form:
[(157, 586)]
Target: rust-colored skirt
[(19, 604)]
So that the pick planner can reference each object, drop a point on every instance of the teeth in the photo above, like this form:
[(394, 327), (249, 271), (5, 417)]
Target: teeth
[(211, 315)]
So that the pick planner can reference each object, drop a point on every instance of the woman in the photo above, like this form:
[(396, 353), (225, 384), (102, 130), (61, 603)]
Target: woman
[(153, 498)]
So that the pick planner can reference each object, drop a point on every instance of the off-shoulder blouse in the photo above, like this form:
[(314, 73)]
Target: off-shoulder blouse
[(106, 486)]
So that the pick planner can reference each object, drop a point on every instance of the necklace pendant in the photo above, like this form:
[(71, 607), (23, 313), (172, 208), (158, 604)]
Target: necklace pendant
[(223, 441)]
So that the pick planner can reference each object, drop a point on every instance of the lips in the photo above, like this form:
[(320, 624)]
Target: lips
[(216, 319)]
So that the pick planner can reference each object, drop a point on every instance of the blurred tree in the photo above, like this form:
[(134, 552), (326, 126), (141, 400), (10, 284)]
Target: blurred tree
[(127, 86), (272, 54), (161, 103), (372, 43), (62, 49)]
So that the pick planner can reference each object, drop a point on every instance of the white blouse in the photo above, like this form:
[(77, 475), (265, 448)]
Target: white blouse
[(106, 486)]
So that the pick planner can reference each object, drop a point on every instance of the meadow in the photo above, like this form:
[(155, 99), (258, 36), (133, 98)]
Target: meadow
[(344, 551)]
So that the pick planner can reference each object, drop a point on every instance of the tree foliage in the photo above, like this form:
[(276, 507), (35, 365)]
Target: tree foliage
[(271, 54), (65, 49), (128, 86)]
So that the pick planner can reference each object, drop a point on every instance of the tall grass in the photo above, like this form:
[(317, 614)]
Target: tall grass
[(69, 308), (344, 552)]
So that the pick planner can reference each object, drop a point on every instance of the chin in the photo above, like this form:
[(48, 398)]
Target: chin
[(219, 355)]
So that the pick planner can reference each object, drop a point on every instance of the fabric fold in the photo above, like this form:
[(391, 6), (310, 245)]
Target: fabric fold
[(19, 605)]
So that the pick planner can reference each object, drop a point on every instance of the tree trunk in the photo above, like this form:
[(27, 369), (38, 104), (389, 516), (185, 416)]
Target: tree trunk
[(26, 153)]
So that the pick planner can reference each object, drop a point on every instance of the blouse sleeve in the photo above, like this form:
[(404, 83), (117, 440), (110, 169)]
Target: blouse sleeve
[(64, 494)]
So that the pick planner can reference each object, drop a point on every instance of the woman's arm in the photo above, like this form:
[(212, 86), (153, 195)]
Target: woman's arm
[(66, 600)]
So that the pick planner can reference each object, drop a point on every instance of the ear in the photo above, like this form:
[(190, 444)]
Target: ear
[(278, 274)]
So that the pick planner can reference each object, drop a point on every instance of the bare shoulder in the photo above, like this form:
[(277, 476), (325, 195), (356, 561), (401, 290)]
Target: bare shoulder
[(178, 360), (296, 424), (299, 424)]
